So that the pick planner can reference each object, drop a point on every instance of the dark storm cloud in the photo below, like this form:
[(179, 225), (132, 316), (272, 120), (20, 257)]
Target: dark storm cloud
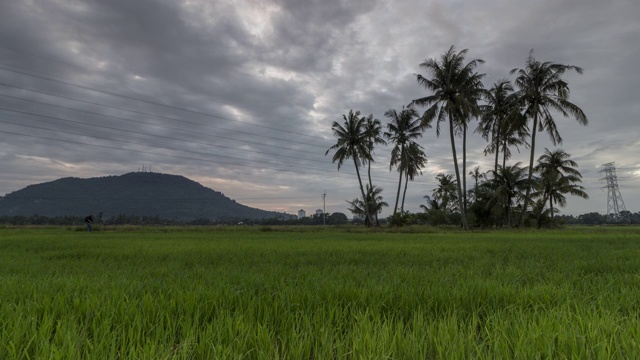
[(242, 97)]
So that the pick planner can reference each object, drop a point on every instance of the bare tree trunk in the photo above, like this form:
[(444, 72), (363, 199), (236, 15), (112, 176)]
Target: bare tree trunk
[(497, 145), (364, 197), (465, 226), (504, 154), (464, 164), (395, 208), (533, 150), (544, 199), (371, 186), (404, 193)]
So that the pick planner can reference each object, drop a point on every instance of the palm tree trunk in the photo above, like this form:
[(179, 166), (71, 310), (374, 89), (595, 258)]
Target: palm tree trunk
[(371, 187), (395, 208), (551, 206), (544, 199), (465, 226), (475, 189), (504, 154), (364, 197), (464, 164), (497, 145), (508, 211), (533, 150), (404, 193)]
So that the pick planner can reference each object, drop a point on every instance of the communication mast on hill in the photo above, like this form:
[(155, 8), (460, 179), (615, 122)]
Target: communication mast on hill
[(615, 204)]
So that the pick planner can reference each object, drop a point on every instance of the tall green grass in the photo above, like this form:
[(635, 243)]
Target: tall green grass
[(282, 293)]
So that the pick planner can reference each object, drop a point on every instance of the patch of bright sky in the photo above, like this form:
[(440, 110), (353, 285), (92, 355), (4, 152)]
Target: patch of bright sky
[(278, 73), (238, 114), (257, 17), (50, 162)]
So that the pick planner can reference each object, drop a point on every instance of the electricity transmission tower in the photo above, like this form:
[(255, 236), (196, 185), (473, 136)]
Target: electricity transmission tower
[(615, 204)]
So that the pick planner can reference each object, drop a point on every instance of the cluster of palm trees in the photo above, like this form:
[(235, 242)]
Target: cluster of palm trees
[(510, 116)]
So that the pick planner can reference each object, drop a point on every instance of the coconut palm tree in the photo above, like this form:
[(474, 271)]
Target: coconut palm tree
[(501, 123), (455, 86), (372, 204), (513, 133), (476, 175), (373, 134), (541, 89), (413, 161), (404, 127), (558, 176), (446, 192), (352, 144), (508, 183)]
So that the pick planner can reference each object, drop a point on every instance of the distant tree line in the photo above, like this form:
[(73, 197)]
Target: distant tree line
[(435, 215), (336, 218)]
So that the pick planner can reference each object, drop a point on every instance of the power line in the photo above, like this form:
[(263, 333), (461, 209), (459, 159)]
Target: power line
[(101, 72), (150, 102), (176, 156), (152, 115), (147, 134)]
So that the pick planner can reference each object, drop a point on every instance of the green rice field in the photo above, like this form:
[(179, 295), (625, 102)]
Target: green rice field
[(319, 293)]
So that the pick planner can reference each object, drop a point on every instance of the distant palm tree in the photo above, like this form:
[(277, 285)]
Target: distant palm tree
[(455, 86), (432, 204), (507, 184), (513, 133), (541, 90), (446, 192), (476, 175), (352, 143), (501, 122), (372, 204), (414, 160), (404, 127), (558, 176), (373, 135)]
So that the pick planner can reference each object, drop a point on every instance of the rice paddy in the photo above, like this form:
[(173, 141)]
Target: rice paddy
[(326, 293)]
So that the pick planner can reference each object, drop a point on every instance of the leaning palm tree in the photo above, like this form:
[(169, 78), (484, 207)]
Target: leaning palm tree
[(541, 90), (565, 185), (455, 88), (404, 127), (414, 160), (558, 176), (352, 143)]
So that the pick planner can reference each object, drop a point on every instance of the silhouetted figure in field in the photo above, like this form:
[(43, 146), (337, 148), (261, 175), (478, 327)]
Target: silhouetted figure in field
[(89, 221)]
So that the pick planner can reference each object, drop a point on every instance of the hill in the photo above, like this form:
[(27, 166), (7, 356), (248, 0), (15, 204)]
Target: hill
[(140, 193)]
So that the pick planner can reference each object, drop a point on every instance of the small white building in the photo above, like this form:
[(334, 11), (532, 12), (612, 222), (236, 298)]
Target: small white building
[(301, 214), (319, 212)]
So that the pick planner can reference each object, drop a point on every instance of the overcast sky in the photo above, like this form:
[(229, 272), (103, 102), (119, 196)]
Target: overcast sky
[(240, 95)]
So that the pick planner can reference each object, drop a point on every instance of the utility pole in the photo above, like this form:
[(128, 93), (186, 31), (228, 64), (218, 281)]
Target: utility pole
[(615, 204), (324, 211)]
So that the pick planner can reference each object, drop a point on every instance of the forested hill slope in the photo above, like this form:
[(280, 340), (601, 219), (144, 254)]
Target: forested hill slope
[(139, 193)]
